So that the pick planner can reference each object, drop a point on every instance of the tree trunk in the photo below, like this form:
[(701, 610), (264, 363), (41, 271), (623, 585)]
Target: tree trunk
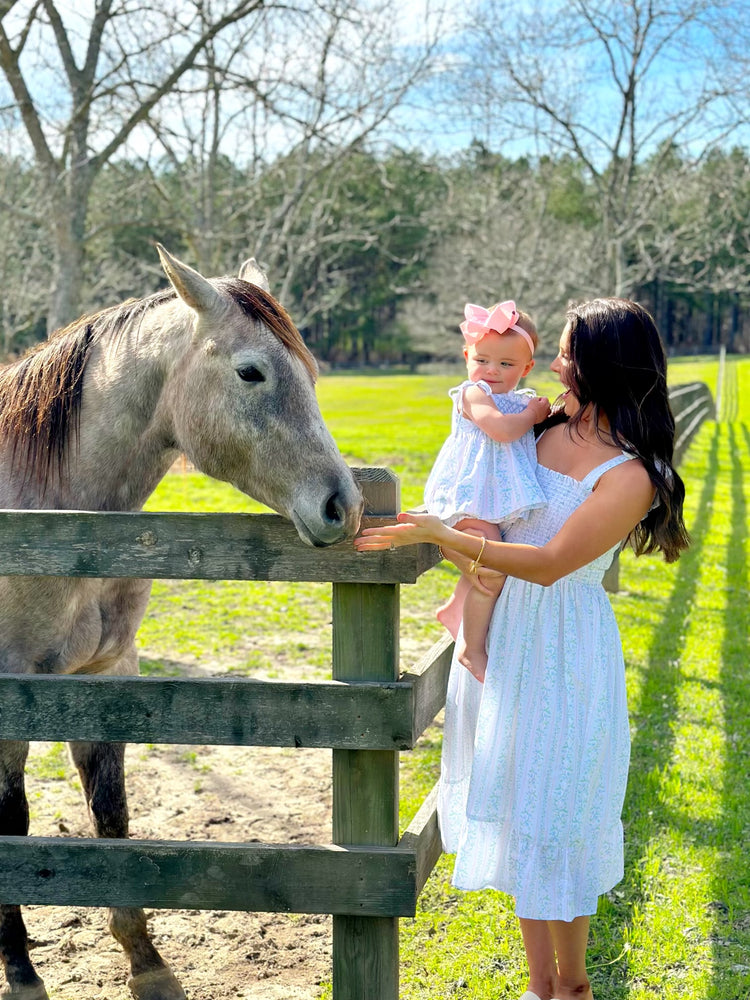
[(669, 323), (708, 328), (734, 327), (69, 213), (67, 268)]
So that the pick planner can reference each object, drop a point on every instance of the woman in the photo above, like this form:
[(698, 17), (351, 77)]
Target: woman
[(535, 760)]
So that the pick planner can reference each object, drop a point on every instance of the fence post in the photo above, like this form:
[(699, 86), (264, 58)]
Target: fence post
[(365, 782)]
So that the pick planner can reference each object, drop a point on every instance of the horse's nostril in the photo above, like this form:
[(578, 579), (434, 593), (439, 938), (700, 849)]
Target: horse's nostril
[(334, 510)]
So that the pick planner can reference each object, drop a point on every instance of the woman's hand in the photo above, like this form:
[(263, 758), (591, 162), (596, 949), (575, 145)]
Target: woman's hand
[(410, 529)]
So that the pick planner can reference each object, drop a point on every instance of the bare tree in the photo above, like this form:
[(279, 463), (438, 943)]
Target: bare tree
[(326, 80), (23, 254), (501, 239), (205, 79), (83, 85), (615, 84)]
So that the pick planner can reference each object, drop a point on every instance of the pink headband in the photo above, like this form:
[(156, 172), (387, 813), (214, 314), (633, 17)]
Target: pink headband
[(499, 319)]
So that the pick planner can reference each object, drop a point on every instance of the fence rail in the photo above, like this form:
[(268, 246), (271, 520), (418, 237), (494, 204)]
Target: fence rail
[(691, 404), (360, 715), (190, 546)]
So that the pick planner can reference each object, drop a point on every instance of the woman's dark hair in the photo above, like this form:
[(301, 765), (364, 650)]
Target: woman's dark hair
[(617, 366)]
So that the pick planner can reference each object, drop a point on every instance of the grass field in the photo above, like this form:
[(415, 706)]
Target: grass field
[(678, 926)]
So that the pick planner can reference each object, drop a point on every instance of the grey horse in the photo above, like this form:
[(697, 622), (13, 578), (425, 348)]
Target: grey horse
[(92, 419)]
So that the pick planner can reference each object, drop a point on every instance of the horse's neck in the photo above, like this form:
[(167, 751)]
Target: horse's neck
[(126, 441)]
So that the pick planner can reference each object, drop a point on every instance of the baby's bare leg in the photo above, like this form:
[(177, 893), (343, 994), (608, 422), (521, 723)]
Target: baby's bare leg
[(451, 613), (472, 649), (477, 614)]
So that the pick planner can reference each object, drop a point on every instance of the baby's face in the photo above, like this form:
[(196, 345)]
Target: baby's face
[(500, 359)]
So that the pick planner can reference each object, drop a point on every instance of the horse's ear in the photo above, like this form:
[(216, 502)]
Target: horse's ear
[(194, 290), (250, 271)]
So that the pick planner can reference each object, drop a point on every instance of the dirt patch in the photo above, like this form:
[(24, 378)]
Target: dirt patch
[(193, 793)]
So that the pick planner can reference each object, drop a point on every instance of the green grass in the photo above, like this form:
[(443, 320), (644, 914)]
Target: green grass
[(678, 926), (53, 764)]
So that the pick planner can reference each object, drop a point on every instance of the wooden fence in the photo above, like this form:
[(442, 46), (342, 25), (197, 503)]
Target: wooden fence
[(368, 877), (691, 404)]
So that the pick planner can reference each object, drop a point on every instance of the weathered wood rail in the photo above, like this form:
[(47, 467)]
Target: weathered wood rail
[(691, 404), (367, 877)]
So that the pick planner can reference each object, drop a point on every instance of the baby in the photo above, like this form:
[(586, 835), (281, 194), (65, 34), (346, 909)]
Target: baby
[(484, 475)]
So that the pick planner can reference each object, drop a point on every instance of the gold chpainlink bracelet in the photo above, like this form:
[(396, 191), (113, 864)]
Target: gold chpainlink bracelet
[(474, 566)]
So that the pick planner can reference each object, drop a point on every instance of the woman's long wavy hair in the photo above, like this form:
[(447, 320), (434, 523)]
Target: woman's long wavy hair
[(618, 368)]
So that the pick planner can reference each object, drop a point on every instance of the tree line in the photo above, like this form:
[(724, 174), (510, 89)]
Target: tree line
[(230, 128), (377, 259)]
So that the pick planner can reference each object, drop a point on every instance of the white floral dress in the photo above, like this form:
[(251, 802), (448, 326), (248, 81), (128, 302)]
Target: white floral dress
[(535, 760), (474, 476)]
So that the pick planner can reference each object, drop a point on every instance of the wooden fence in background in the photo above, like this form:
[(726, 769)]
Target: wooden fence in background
[(691, 404)]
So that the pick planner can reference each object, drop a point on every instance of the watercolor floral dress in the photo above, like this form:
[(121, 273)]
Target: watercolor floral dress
[(535, 760), (474, 476)]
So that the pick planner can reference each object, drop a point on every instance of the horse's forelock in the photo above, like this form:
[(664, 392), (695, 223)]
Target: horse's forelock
[(264, 308)]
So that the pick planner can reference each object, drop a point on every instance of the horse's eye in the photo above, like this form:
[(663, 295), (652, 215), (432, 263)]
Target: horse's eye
[(249, 373)]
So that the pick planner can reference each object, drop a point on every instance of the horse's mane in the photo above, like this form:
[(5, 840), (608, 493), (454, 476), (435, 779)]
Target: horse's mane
[(40, 393)]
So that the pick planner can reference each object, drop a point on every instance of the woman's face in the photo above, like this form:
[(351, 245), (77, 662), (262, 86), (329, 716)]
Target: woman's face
[(561, 365)]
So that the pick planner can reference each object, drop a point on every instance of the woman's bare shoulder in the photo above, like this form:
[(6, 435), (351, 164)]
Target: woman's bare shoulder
[(631, 475)]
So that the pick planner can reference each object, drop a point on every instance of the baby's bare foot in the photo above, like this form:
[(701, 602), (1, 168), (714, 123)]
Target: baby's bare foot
[(475, 660)]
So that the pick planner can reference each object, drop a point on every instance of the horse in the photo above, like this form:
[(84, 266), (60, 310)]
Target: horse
[(92, 419)]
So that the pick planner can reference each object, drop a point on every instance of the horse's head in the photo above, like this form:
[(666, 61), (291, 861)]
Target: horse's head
[(243, 406)]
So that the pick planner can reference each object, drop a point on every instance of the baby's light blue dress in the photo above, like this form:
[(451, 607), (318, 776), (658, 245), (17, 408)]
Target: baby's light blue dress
[(535, 760), (474, 476)]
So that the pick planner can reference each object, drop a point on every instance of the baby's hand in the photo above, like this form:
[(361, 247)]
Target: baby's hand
[(538, 406)]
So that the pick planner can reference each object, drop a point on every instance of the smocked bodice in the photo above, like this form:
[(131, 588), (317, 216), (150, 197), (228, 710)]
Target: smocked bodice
[(564, 494)]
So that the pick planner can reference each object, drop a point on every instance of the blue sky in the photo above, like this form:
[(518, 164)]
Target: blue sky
[(428, 123)]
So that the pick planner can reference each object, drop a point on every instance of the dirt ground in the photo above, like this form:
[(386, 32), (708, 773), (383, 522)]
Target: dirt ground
[(194, 793)]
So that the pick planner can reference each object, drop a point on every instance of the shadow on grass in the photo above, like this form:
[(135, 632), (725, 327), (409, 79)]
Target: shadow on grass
[(645, 812), (731, 881)]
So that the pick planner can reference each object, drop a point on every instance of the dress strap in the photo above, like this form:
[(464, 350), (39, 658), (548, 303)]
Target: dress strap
[(595, 475)]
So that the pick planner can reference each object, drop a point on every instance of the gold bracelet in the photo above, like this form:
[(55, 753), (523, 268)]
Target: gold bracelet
[(474, 565), (442, 554)]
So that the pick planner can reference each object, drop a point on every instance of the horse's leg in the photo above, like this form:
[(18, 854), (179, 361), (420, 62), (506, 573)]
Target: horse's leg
[(23, 982), (102, 770)]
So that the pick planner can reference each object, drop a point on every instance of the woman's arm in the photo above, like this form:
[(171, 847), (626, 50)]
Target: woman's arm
[(504, 427), (622, 497)]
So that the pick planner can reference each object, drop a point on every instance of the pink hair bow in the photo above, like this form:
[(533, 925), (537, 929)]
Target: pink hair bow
[(498, 319)]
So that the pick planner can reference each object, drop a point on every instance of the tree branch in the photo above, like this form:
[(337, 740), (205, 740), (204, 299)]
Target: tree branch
[(10, 66), (141, 113)]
